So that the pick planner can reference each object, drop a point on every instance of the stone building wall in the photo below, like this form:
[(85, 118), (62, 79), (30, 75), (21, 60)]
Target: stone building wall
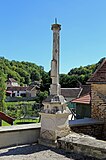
[(98, 101)]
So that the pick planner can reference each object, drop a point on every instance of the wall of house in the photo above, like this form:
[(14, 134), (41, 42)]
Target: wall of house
[(98, 101), (19, 93), (83, 110), (33, 93)]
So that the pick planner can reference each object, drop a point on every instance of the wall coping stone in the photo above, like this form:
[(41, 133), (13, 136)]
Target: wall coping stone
[(83, 144), (21, 127), (84, 122)]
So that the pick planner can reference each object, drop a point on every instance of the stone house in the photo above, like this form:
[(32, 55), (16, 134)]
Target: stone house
[(12, 82), (98, 93), (32, 91), (15, 90), (29, 91)]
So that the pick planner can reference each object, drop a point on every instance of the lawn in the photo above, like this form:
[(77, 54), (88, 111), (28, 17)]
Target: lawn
[(21, 121)]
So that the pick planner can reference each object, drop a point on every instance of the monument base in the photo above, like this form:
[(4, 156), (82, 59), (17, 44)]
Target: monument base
[(48, 142), (53, 126)]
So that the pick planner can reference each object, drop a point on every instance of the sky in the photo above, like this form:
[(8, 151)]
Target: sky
[(26, 35)]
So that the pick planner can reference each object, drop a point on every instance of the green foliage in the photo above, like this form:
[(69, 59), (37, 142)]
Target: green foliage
[(28, 73), (24, 72), (2, 91), (20, 110), (41, 96), (80, 75)]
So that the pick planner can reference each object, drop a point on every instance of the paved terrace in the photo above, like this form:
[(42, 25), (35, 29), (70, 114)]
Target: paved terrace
[(38, 152)]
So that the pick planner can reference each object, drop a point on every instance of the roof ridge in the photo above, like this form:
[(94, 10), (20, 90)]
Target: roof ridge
[(96, 71)]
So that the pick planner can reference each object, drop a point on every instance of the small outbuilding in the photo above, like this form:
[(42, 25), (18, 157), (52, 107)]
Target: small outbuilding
[(82, 107)]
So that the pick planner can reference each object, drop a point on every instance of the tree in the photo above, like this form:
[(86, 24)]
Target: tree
[(2, 92), (41, 96)]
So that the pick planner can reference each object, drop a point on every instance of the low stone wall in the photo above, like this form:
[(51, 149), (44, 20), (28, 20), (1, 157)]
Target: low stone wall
[(83, 145), (19, 134), (95, 130), (88, 126)]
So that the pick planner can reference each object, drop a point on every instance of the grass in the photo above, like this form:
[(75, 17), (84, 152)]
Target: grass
[(21, 121), (14, 109), (5, 123)]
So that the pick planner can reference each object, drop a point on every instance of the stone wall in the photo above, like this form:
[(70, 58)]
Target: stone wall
[(19, 134), (98, 103), (94, 130), (88, 147)]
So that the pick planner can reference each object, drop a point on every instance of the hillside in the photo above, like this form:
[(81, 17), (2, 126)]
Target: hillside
[(78, 76), (23, 72), (27, 72)]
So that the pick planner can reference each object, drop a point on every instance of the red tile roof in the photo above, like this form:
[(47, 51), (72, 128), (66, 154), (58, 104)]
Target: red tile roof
[(83, 100), (100, 74)]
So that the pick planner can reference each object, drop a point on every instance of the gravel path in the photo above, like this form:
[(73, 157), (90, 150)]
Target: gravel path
[(37, 152)]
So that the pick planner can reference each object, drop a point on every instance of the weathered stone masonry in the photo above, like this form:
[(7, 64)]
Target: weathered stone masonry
[(98, 94), (98, 101)]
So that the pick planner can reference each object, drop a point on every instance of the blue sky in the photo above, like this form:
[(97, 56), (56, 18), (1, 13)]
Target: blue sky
[(25, 31)]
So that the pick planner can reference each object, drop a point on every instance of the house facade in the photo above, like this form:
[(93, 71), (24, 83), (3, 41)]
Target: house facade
[(15, 90), (98, 94)]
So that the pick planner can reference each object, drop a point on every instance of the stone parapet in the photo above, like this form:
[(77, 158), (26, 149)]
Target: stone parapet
[(19, 134), (88, 126), (83, 144)]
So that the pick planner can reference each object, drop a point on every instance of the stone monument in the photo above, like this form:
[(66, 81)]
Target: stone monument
[(54, 116)]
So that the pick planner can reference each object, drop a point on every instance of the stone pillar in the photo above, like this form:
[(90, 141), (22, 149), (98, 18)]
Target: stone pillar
[(55, 86), (54, 116)]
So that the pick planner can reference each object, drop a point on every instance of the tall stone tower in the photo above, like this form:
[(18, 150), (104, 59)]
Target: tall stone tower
[(54, 116), (55, 86)]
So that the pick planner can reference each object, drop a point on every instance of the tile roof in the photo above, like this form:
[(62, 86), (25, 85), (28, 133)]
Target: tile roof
[(83, 100), (100, 74), (29, 88), (85, 90), (70, 92)]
